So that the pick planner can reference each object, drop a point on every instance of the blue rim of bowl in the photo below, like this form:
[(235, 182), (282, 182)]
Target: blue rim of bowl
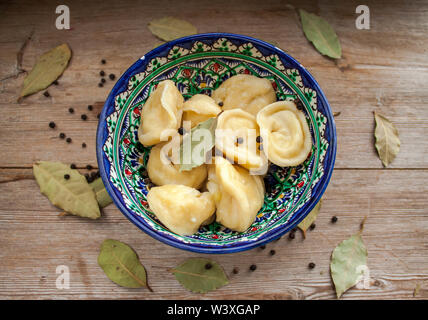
[(293, 222)]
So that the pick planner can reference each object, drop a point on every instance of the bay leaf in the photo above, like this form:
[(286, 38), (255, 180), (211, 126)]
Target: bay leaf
[(321, 34), (188, 158), (74, 195), (310, 218), (387, 140), (200, 275), (170, 28), (47, 69), (101, 194), (121, 265), (347, 264)]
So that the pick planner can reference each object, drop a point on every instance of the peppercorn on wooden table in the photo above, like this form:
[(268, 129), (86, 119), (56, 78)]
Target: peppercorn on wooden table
[(383, 69)]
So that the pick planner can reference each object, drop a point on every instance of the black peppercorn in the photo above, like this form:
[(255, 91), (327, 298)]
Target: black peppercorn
[(103, 61), (62, 135), (221, 103), (100, 84), (261, 147), (311, 265), (292, 235), (71, 110), (90, 107), (93, 175), (73, 166), (253, 267), (103, 80), (334, 219), (98, 116), (90, 179), (84, 116), (181, 130), (83, 145), (89, 167), (52, 124), (66, 176), (102, 73), (68, 140), (111, 76), (263, 247), (208, 266), (55, 82), (272, 252), (312, 227), (235, 270), (46, 94), (259, 139)]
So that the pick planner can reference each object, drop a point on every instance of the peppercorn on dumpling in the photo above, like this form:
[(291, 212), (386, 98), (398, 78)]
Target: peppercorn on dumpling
[(246, 92), (162, 111), (236, 137), (180, 208), (238, 195), (285, 132)]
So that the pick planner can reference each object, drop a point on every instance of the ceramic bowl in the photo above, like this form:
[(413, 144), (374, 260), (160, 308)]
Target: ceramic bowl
[(199, 64)]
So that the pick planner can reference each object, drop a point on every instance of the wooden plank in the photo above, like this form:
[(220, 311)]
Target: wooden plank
[(358, 93), (35, 241)]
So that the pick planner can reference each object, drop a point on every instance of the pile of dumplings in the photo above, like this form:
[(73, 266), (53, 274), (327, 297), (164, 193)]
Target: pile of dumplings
[(252, 130)]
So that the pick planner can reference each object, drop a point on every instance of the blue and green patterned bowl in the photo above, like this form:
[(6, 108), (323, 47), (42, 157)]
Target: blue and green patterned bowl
[(199, 64)]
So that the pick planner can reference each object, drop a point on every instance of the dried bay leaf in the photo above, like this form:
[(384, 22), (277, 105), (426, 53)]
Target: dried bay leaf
[(47, 69), (387, 139), (200, 275), (121, 265), (169, 28), (101, 194), (74, 195), (321, 34), (187, 154), (310, 218), (348, 261)]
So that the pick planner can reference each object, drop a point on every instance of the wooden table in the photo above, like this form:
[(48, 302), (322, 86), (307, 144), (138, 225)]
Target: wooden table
[(383, 69)]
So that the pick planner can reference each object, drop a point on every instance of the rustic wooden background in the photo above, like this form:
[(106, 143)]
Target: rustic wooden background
[(383, 69)]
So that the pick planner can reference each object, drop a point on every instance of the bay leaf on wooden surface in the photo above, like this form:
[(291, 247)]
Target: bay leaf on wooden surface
[(74, 195), (189, 158), (348, 261), (121, 265), (321, 34), (310, 218), (47, 69), (101, 193), (170, 28), (387, 139), (200, 275)]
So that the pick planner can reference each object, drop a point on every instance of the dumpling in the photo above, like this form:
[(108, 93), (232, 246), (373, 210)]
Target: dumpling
[(180, 208), (285, 133), (238, 194), (162, 111), (246, 92), (236, 137), (199, 108), (163, 171)]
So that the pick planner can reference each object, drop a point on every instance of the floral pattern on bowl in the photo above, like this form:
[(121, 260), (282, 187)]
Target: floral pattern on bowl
[(199, 64)]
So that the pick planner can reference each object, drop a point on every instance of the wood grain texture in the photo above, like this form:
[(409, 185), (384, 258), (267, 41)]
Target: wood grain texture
[(384, 69)]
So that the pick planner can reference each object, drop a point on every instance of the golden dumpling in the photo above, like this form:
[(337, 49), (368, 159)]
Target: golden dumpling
[(162, 171), (180, 208), (236, 137), (285, 132), (199, 108), (238, 195), (162, 111), (246, 92)]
